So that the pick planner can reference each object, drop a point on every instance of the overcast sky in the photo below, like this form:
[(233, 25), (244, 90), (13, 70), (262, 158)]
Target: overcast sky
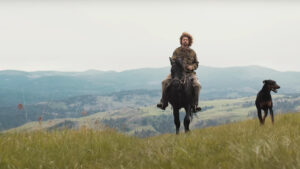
[(82, 35)]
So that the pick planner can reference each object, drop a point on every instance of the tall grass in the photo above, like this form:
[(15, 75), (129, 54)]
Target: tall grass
[(237, 145)]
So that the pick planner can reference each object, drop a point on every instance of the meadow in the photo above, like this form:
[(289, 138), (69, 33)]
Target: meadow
[(242, 145)]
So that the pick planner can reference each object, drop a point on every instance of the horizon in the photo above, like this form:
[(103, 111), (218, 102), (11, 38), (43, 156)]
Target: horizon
[(70, 71)]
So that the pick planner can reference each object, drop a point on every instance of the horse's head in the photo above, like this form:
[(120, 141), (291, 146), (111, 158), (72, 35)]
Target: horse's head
[(177, 68), (177, 73)]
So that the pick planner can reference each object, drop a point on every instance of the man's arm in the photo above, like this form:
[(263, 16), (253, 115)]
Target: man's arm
[(195, 63), (174, 54)]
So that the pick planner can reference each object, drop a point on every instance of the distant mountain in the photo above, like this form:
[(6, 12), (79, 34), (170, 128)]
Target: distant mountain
[(52, 94), (32, 87)]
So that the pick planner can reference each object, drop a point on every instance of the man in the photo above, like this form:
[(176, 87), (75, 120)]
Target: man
[(190, 63)]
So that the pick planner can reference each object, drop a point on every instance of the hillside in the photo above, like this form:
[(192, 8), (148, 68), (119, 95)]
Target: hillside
[(62, 95), (240, 145), (11, 116), (145, 121), (44, 86)]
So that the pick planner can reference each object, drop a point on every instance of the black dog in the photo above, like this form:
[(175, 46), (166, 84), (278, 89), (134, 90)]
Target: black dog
[(264, 100)]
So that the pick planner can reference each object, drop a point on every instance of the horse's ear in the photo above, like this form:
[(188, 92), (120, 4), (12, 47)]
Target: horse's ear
[(264, 82)]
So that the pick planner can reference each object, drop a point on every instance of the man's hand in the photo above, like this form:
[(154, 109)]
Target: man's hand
[(190, 67)]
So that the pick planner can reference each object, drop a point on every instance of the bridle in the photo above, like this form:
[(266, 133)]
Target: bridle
[(182, 80)]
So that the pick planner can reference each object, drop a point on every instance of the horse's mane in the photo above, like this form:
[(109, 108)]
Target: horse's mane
[(177, 68)]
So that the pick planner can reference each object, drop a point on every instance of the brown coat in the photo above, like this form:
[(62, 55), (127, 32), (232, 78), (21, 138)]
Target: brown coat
[(189, 58)]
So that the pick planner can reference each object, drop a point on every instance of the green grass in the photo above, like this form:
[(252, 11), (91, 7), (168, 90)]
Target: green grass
[(238, 145)]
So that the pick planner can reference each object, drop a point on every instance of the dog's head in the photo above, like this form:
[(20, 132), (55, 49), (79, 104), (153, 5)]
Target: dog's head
[(271, 85)]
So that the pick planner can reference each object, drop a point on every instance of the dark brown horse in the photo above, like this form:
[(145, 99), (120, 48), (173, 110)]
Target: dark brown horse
[(180, 94)]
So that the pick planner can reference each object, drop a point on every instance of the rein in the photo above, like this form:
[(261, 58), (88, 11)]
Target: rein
[(182, 80)]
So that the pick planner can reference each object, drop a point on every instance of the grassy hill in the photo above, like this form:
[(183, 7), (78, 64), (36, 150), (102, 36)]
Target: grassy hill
[(240, 145)]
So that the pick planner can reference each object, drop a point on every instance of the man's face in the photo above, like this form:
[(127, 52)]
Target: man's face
[(185, 41)]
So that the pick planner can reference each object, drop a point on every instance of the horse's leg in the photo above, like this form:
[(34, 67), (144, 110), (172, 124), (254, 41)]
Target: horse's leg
[(271, 114), (176, 119), (187, 118)]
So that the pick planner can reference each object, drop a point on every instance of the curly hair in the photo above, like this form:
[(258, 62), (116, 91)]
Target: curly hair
[(185, 34)]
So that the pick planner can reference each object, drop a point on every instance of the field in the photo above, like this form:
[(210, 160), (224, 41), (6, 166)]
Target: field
[(238, 145)]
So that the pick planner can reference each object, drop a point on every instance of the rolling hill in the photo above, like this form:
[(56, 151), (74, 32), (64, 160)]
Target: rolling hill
[(145, 121), (44, 86), (240, 145), (61, 95)]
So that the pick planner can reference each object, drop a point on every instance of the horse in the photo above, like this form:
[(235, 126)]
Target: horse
[(180, 93)]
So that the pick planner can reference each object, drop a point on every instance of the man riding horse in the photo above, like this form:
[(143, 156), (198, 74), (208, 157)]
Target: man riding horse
[(190, 64)]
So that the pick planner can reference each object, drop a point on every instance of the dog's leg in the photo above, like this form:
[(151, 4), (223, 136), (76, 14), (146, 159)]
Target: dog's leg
[(259, 116), (265, 115), (271, 114)]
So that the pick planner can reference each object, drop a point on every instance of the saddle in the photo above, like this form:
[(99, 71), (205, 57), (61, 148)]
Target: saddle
[(183, 80)]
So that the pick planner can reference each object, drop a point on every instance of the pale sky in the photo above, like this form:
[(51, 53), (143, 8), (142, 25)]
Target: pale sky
[(82, 35)]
